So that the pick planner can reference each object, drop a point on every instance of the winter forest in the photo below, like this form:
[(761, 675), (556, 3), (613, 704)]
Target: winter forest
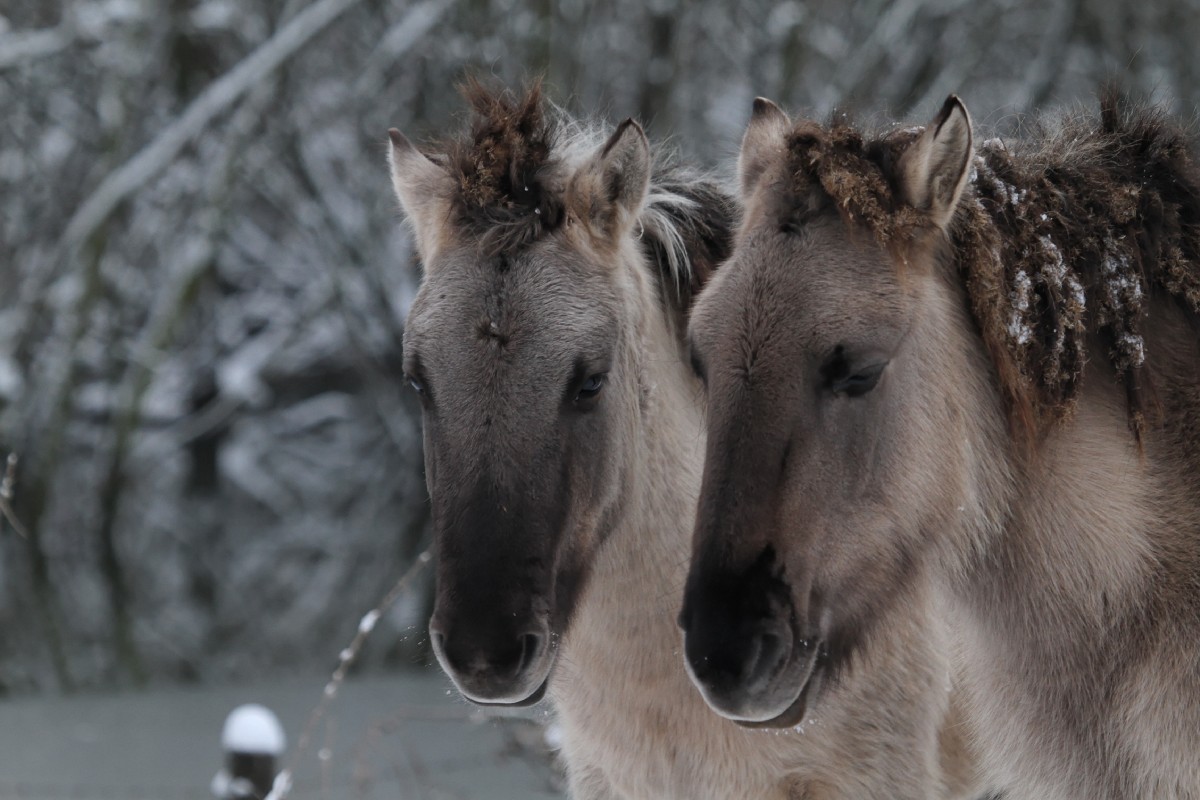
[(215, 465)]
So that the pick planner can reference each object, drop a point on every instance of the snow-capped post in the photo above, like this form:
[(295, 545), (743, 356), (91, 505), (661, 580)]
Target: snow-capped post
[(252, 741)]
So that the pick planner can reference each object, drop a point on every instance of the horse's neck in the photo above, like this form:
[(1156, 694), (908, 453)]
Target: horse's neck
[(1077, 544), (1094, 522), (1081, 593)]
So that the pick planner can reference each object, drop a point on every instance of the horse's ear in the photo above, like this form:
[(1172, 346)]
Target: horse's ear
[(763, 140), (610, 190), (422, 186), (934, 168)]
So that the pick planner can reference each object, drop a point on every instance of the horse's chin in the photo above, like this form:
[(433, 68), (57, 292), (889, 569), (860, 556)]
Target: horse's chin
[(514, 699), (532, 699), (795, 713)]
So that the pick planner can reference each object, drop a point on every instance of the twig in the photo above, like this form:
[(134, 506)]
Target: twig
[(283, 781), (6, 496)]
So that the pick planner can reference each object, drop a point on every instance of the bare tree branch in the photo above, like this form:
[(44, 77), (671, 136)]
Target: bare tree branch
[(17, 48), (219, 96)]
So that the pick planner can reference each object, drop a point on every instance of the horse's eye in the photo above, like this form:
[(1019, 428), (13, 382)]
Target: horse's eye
[(698, 367), (416, 384), (859, 383), (591, 387)]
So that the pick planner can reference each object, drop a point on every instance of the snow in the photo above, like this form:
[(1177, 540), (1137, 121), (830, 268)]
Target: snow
[(54, 747), (1076, 292), (1133, 346), (1018, 322), (215, 15), (367, 623), (94, 19), (11, 381), (1054, 270), (1003, 190), (1120, 284), (253, 728), (281, 786), (223, 786), (554, 736), (55, 146)]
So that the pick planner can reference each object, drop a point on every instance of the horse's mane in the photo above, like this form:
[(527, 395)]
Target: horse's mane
[(1062, 238), (511, 164)]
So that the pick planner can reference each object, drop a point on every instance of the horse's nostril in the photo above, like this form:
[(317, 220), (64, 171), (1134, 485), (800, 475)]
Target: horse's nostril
[(764, 660), (438, 642), (531, 650), (745, 663)]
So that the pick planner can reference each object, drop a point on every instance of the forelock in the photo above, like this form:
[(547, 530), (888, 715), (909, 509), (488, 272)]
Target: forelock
[(505, 167)]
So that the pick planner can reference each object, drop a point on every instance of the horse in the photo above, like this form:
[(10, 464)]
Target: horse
[(563, 445), (976, 366)]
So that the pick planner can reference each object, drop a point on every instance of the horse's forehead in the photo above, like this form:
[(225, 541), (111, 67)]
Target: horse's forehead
[(537, 298), (805, 286), (823, 259)]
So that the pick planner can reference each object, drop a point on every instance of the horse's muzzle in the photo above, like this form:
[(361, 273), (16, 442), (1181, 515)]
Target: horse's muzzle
[(502, 668)]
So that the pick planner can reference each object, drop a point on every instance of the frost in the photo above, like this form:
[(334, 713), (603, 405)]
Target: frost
[(253, 728)]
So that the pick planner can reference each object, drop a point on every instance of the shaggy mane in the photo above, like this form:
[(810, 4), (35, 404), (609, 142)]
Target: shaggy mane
[(1061, 238), (510, 168)]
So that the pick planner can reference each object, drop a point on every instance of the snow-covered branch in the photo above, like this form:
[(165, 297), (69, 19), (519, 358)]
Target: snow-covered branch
[(24, 46), (214, 100)]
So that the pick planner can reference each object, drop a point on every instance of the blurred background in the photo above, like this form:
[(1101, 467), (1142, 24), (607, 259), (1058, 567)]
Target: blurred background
[(203, 281)]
